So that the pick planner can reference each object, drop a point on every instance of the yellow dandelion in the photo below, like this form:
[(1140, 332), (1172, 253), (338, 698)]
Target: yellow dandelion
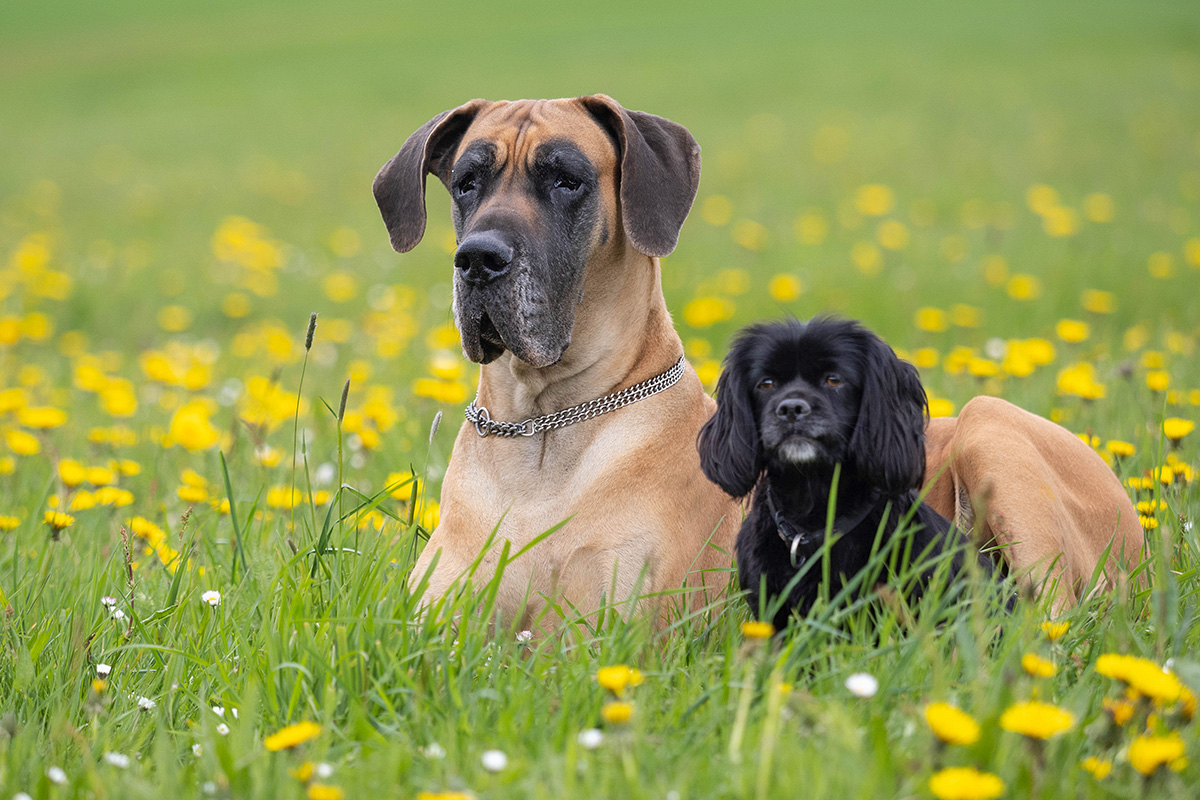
[(1175, 428), (1148, 753), (754, 629), (1036, 720), (874, 200), (1055, 630), (1098, 301), (58, 521), (951, 724), (1120, 449), (292, 735), (619, 677), (1158, 380), (1098, 767), (1023, 287), (785, 288), (1072, 330), (323, 791), (9, 523), (705, 311), (1119, 711), (41, 417), (1141, 675), (965, 783), (1037, 666), (616, 712), (931, 320)]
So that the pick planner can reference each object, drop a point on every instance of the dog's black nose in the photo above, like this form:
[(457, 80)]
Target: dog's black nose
[(792, 409), (483, 257)]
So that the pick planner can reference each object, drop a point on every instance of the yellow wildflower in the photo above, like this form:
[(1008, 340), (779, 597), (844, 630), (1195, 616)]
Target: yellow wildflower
[(874, 200), (9, 523), (965, 783), (323, 791), (41, 417), (292, 735), (785, 287), (1055, 630), (951, 724), (1120, 449), (1036, 720), (1120, 711), (705, 311), (1097, 766), (1175, 428), (1148, 753), (619, 677), (1037, 666), (58, 521), (757, 630), (1142, 675), (616, 712), (1072, 330)]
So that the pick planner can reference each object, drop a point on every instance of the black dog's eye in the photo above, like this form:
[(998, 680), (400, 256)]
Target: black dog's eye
[(833, 380), (567, 183), (466, 185), (766, 385)]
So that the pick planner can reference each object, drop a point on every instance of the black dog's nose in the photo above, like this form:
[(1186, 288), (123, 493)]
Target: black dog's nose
[(792, 409), (483, 257)]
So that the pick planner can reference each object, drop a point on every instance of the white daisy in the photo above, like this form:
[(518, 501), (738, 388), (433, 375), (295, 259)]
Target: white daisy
[(494, 760), (862, 684), (212, 597)]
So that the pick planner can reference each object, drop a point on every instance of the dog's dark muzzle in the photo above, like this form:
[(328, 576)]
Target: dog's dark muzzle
[(482, 257)]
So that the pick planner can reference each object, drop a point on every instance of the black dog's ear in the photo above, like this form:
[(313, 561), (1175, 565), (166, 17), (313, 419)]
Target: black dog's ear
[(400, 186), (888, 444), (660, 172), (730, 453)]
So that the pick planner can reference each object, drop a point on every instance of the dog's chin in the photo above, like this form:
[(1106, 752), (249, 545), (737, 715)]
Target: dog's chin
[(485, 339), (481, 339), (798, 450)]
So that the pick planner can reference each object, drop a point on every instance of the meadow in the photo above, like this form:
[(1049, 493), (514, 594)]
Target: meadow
[(203, 563)]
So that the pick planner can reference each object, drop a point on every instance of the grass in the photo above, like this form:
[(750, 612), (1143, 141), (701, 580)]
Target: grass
[(132, 133)]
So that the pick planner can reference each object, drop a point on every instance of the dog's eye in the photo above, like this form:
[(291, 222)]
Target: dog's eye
[(567, 183), (466, 185), (766, 384), (833, 380)]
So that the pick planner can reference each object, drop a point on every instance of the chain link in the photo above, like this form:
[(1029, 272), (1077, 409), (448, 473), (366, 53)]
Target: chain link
[(479, 416)]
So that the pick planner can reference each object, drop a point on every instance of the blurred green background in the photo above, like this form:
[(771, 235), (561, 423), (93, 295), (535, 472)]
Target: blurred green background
[(130, 131)]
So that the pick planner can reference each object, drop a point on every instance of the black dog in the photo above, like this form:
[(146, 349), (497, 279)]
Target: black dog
[(794, 401)]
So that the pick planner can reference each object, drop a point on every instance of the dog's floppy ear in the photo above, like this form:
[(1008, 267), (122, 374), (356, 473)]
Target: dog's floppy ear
[(660, 172), (400, 186), (888, 444), (730, 453)]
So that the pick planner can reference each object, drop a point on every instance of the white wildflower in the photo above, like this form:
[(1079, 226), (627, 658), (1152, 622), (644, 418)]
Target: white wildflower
[(212, 597), (323, 770), (146, 704), (102, 670), (222, 729), (434, 750), (525, 636), (56, 775), (494, 760), (862, 684), (117, 760), (219, 710), (590, 739)]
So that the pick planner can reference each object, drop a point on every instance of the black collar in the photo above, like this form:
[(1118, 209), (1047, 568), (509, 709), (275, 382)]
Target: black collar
[(806, 541)]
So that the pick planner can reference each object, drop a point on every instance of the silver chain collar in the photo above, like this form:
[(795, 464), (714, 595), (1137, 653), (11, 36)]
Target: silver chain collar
[(478, 415)]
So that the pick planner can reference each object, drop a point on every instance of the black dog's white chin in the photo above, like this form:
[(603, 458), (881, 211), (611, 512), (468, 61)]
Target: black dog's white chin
[(798, 450)]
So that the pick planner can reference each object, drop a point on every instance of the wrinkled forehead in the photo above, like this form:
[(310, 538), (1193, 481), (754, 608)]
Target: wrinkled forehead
[(517, 129)]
